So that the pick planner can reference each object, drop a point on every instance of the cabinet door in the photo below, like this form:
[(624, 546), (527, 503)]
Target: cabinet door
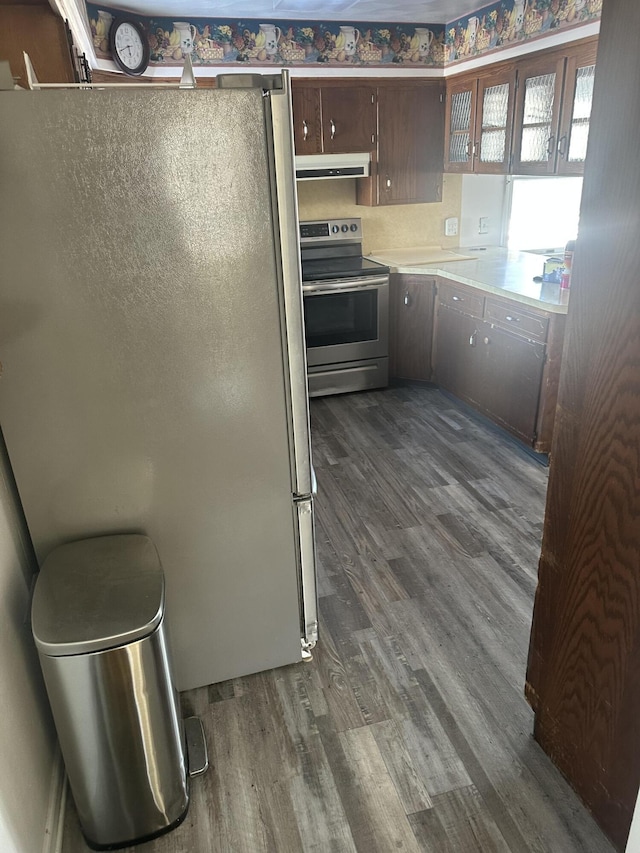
[(456, 364), (494, 122), (576, 111), (511, 368), (460, 124), (410, 327), (348, 119), (537, 115), (307, 128), (409, 168)]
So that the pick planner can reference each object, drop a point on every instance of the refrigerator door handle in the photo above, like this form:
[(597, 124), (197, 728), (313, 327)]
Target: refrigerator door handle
[(286, 223), (308, 588)]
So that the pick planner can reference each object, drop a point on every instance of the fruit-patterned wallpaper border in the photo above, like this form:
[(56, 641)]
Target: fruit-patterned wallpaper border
[(507, 22), (225, 41)]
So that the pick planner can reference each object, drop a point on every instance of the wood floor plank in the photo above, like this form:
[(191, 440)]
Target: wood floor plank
[(341, 701), (317, 805), (254, 762), (220, 692), (377, 666), (401, 768), (458, 823), (435, 755), (377, 819), (500, 814)]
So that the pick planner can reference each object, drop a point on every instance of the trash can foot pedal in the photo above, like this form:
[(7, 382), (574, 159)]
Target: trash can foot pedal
[(197, 758)]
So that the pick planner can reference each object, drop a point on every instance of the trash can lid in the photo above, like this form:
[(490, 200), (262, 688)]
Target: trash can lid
[(97, 594)]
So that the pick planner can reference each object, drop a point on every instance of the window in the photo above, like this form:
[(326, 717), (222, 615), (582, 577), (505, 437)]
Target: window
[(544, 212)]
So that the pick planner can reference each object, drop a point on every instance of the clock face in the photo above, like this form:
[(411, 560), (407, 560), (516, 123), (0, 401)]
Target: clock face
[(129, 46)]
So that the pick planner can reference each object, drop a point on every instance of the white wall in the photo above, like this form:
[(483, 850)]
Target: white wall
[(27, 743), (633, 842), (482, 195)]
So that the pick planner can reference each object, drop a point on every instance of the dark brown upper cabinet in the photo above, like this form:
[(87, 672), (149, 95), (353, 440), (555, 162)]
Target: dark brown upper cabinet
[(479, 119), (553, 107), (333, 118), (307, 120), (407, 164), (348, 119)]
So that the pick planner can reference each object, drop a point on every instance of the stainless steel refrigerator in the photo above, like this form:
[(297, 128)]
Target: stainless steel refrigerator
[(152, 346)]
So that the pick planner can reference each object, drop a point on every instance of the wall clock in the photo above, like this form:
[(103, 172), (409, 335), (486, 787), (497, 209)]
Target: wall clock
[(129, 46)]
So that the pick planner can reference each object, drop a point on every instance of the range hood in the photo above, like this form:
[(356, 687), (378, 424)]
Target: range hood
[(313, 167)]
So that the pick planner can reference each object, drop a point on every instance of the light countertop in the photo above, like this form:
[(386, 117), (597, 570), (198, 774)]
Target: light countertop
[(493, 270)]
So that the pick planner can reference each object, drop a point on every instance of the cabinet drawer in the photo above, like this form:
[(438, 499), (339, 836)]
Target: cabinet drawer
[(460, 299), (520, 322)]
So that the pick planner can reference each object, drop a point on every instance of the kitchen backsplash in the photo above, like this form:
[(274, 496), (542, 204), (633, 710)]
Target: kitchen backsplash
[(386, 227)]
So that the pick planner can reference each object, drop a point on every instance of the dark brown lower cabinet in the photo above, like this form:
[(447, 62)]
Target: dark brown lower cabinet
[(494, 371), (496, 355), (511, 375), (457, 366), (410, 326), (501, 358)]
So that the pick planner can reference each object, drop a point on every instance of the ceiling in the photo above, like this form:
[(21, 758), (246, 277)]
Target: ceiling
[(409, 11)]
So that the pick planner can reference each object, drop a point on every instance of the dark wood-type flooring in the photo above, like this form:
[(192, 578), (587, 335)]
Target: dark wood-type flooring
[(409, 730)]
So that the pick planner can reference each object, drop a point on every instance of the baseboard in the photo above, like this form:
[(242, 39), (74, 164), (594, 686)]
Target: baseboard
[(54, 828)]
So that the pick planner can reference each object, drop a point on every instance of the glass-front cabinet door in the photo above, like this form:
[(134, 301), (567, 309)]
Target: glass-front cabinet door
[(494, 122), (576, 114), (479, 119), (459, 125), (537, 116)]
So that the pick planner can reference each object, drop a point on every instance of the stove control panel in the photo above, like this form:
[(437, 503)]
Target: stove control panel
[(331, 229)]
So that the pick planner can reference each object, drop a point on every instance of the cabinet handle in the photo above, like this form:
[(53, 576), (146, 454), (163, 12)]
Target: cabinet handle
[(472, 338), (551, 146), (388, 182), (457, 298), (373, 138), (511, 319), (406, 299), (561, 146), (333, 128), (305, 130)]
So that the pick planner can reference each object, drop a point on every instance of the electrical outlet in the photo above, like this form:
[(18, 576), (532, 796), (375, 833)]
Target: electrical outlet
[(483, 225), (451, 226)]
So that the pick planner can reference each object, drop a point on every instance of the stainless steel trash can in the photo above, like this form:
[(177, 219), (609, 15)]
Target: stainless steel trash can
[(98, 623)]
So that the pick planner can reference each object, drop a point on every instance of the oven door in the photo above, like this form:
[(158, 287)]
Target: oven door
[(346, 319)]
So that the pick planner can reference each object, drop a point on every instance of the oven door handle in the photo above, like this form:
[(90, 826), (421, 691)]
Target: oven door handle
[(346, 286)]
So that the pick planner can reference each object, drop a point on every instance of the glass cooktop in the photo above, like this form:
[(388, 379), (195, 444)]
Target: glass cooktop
[(330, 268)]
